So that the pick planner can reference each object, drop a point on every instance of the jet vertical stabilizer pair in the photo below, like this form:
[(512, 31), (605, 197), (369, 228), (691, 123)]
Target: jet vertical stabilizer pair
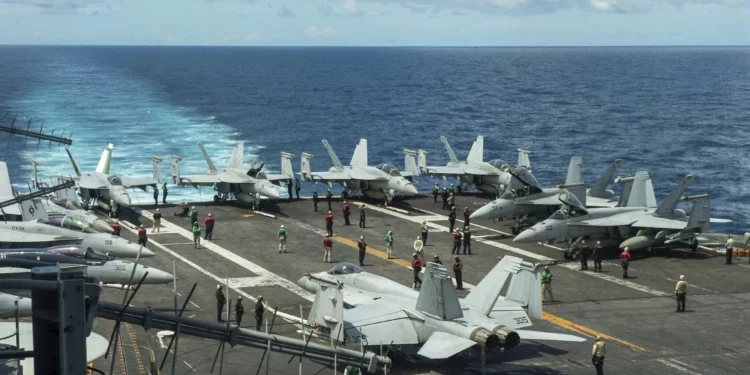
[(246, 185), (379, 182), (490, 177), (384, 312)]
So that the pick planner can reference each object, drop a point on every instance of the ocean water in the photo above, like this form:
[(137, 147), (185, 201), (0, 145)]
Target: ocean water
[(668, 111)]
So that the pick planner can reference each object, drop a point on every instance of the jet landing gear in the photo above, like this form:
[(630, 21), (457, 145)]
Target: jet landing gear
[(521, 223), (220, 198)]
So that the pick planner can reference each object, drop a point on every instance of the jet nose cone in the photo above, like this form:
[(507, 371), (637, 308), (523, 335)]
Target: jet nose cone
[(271, 192), (529, 235), (484, 212), (102, 226), (123, 199), (146, 253), (409, 189), (156, 276)]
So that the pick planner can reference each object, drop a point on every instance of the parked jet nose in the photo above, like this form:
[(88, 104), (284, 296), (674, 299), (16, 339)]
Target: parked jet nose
[(308, 284), (529, 235), (484, 212), (101, 226), (155, 276), (409, 190), (269, 191), (122, 199)]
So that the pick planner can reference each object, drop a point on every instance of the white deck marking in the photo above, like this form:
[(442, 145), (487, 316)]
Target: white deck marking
[(625, 283), (677, 367)]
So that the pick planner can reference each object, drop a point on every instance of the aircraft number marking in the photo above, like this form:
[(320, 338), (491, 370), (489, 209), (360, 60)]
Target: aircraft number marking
[(108, 242), (121, 268), (358, 338), (521, 320)]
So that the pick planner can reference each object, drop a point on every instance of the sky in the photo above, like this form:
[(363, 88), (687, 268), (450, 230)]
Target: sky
[(376, 22)]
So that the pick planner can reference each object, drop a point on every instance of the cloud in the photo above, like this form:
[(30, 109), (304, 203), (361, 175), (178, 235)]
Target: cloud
[(457, 13), (318, 32), (285, 12), (83, 7), (528, 7), (350, 8)]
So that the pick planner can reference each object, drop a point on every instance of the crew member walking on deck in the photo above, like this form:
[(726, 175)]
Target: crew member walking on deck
[(597, 355), (156, 196), (346, 211), (157, 221), (458, 272), (209, 223), (451, 205), (467, 240), (259, 311), (220, 301), (547, 284), (451, 191), (730, 250), (196, 235), (116, 228), (329, 224), (297, 188), (467, 214), (416, 266), (389, 244), (362, 216), (327, 248), (625, 258), (142, 237), (452, 219), (315, 200), (193, 216), (164, 192), (362, 246), (584, 250), (423, 231), (239, 311), (598, 257), (329, 199), (456, 242), (680, 291), (289, 186), (435, 192), (444, 196), (282, 238)]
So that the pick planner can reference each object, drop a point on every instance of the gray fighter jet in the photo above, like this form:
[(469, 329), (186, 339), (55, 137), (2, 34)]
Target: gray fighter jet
[(532, 199), (384, 312), (379, 182), (246, 185), (109, 191), (35, 230), (490, 177), (633, 226), (15, 262)]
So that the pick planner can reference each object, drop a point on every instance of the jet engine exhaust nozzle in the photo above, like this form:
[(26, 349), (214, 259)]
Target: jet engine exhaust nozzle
[(485, 338), (509, 339)]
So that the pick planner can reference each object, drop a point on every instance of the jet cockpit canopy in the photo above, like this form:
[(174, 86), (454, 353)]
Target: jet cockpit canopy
[(344, 268), (389, 169)]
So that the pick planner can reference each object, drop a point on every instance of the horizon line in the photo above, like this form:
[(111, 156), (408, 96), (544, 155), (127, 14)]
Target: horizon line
[(384, 46)]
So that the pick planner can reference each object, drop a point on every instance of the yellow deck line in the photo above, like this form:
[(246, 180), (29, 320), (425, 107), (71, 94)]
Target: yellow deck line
[(556, 320)]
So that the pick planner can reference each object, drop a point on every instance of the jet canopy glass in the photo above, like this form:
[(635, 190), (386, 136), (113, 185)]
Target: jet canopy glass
[(571, 207), (389, 168), (114, 180), (523, 175), (344, 268), (500, 164)]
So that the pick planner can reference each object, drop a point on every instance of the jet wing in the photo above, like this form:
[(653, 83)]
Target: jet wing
[(358, 298), (129, 182), (454, 170), (380, 323), (278, 177), (330, 176), (442, 345), (659, 223), (613, 221), (12, 236), (595, 202), (90, 184), (211, 179)]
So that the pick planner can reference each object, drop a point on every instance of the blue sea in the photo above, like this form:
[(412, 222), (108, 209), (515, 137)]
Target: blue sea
[(668, 111)]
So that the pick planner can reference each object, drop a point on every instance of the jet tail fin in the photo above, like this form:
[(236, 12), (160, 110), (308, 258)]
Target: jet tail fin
[(104, 161), (422, 160), (574, 171), (700, 214), (286, 165), (210, 163), (359, 158), (523, 159), (476, 154), (304, 168), (451, 154), (73, 161), (637, 196), (670, 202), (156, 162), (627, 186), (524, 288), (410, 162), (236, 161), (176, 170), (334, 159), (599, 189), (437, 296), (6, 189), (328, 310), (33, 209)]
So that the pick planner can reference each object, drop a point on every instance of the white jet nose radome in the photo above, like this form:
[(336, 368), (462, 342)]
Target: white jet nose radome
[(484, 212), (155, 276), (529, 235), (270, 191), (122, 199), (409, 190)]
